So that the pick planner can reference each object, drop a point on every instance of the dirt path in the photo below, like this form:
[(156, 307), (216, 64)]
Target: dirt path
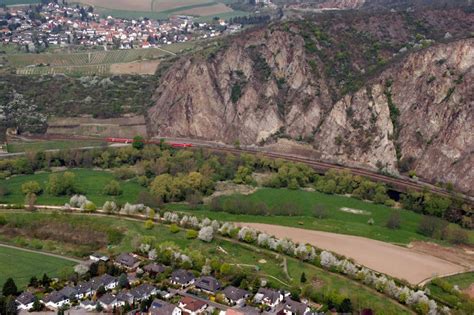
[(41, 253), (396, 261)]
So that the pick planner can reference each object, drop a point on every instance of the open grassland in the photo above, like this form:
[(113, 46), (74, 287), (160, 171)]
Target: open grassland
[(337, 221), (463, 280), (35, 146), (241, 256), (89, 182), (453, 290), (21, 265)]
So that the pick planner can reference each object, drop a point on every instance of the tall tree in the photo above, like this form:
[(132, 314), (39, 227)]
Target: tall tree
[(9, 288)]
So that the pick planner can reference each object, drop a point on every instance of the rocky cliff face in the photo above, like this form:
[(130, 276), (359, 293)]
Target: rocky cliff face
[(360, 90)]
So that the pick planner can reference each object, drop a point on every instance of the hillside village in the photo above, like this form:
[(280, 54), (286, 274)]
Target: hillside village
[(36, 28), (135, 284)]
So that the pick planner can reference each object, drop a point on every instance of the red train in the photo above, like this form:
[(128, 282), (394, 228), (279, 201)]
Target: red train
[(128, 140)]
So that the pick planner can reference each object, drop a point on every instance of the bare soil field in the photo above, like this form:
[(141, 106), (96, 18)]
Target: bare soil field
[(142, 67), (208, 10), (124, 127), (396, 261)]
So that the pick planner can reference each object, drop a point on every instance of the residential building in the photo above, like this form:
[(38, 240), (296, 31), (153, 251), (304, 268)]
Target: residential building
[(55, 300), (108, 301), (182, 278), (96, 257), (208, 284), (88, 305), (268, 297), (294, 308), (153, 269), (234, 295), (159, 307), (192, 306), (107, 281), (25, 301), (143, 292), (84, 290), (127, 261)]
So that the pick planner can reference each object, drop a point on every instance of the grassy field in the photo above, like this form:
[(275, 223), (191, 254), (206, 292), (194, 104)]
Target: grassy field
[(89, 182), (269, 264), (463, 281), (443, 290), (337, 221), (21, 265), (35, 146)]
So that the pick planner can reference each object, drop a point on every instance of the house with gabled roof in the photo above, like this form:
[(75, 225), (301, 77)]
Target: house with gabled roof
[(159, 307), (108, 301), (127, 261), (55, 300), (25, 301), (84, 289), (143, 292), (207, 284), (192, 306), (234, 295), (291, 307), (182, 278), (153, 269), (268, 297)]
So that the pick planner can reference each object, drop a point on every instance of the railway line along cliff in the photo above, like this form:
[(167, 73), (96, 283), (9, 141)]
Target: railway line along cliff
[(388, 91)]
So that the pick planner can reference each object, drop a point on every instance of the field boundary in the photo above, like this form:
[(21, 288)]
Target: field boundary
[(41, 253)]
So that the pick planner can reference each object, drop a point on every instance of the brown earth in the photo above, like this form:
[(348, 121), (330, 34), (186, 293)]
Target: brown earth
[(393, 260), (124, 127), (141, 67)]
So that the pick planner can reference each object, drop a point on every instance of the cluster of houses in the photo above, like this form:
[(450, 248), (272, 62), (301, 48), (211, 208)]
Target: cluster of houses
[(58, 24), (185, 294)]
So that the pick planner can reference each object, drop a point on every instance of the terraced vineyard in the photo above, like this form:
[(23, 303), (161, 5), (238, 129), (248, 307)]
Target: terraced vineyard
[(87, 63)]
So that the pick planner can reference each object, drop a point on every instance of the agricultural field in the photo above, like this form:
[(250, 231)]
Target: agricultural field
[(22, 265), (266, 264), (88, 63), (89, 182), (336, 220), (35, 146), (162, 9)]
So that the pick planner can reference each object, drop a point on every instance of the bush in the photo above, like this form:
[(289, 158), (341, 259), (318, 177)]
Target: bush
[(3, 220), (31, 187), (144, 197), (393, 221), (457, 235), (113, 188), (89, 206), (191, 234), (62, 184), (149, 224), (174, 228), (124, 173), (320, 212), (431, 226)]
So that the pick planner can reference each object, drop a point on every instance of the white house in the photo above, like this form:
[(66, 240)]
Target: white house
[(55, 300), (268, 297), (25, 301)]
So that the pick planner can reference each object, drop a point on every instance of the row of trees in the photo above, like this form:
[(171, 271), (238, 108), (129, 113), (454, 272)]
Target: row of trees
[(177, 175)]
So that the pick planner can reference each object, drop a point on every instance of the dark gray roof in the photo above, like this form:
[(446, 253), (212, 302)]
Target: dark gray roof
[(88, 303), (25, 298), (235, 294), (142, 291), (248, 310), (208, 283), (68, 291), (107, 299), (159, 307), (155, 268), (124, 296), (84, 287), (270, 294), (182, 276), (103, 280), (55, 297), (295, 307), (126, 260)]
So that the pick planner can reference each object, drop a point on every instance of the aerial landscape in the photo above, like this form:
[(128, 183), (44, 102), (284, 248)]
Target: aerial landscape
[(237, 157)]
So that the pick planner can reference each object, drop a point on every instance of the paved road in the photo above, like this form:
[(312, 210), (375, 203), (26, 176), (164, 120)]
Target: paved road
[(42, 253)]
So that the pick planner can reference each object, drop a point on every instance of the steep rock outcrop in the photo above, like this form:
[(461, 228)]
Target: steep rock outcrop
[(334, 86)]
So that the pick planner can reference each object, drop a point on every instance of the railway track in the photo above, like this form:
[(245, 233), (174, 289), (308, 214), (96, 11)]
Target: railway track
[(397, 184)]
